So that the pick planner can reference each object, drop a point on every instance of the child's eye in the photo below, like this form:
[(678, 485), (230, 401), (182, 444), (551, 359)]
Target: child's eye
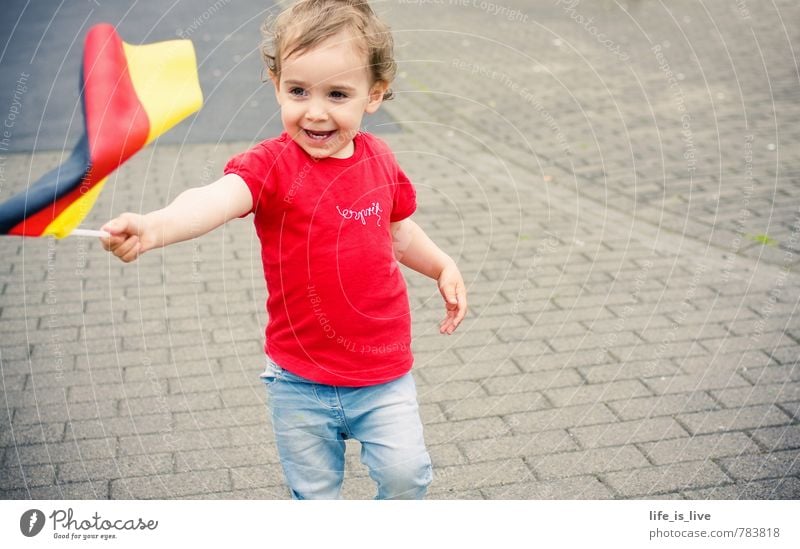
[(299, 92), (338, 95)]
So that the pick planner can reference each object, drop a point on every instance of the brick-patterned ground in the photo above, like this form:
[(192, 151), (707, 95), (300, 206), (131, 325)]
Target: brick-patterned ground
[(628, 229)]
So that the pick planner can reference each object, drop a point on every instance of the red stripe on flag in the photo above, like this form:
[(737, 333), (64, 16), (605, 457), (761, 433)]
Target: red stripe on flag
[(116, 122)]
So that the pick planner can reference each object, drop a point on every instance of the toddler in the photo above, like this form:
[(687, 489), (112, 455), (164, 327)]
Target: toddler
[(331, 209)]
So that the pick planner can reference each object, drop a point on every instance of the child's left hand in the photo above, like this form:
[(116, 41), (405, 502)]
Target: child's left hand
[(451, 286)]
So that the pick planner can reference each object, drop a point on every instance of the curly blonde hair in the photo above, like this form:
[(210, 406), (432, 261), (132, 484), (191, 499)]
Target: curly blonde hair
[(307, 23)]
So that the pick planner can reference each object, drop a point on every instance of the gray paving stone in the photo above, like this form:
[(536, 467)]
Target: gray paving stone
[(449, 391), (446, 454), (433, 413), (175, 485), (778, 438), (115, 391), (628, 432), (470, 408), (771, 489), (628, 370), (465, 372), (586, 487), (256, 476), (666, 478), (26, 477), (77, 490), (701, 381), (61, 411), (263, 493), (698, 448), (501, 351), (454, 495), (597, 392), (170, 403), (772, 374), (757, 394), (37, 433), (660, 350), (503, 385), (480, 475), (118, 426), (560, 418), (179, 441), (731, 362), (792, 408), (734, 419), (555, 361), (517, 446), (115, 468), (587, 462), (61, 452), (777, 464), (787, 355), (153, 358), (470, 429)]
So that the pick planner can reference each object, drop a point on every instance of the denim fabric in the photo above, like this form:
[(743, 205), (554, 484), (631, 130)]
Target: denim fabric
[(311, 422)]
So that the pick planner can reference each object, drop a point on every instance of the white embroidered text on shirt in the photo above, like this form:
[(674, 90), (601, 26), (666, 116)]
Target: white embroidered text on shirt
[(362, 215)]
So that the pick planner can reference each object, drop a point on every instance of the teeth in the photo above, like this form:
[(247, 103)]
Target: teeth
[(318, 135)]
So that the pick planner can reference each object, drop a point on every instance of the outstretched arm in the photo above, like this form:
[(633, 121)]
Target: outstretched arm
[(414, 249), (193, 213)]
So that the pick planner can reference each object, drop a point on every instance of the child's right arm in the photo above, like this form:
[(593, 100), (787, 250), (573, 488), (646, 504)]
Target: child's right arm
[(193, 213)]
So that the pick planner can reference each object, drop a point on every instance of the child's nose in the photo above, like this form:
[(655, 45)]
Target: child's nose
[(316, 112)]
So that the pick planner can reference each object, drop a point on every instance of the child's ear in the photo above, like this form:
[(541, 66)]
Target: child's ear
[(376, 96)]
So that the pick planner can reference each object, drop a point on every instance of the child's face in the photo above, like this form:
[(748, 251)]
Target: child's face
[(324, 93)]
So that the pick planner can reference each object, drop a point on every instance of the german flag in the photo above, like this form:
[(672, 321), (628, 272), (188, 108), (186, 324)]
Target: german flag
[(130, 96)]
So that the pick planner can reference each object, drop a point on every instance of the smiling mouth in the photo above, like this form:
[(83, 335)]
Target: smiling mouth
[(319, 136)]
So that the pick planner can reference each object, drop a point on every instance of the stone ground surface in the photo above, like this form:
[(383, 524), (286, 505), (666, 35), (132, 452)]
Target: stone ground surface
[(619, 184)]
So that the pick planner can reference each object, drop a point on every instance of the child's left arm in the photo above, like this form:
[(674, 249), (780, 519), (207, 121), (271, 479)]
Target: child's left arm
[(414, 249)]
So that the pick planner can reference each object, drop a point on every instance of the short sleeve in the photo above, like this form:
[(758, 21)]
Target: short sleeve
[(257, 168), (405, 198)]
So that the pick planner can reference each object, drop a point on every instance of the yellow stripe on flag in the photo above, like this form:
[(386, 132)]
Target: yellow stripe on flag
[(165, 78), (72, 216)]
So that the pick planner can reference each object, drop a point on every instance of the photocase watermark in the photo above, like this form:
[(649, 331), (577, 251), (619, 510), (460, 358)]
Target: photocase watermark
[(65, 525), (347, 343), (685, 307), (82, 251), (7, 131), (496, 10), (774, 295), (341, 138), (741, 7), (161, 405), (690, 152), (619, 325), (570, 7), (53, 315), (205, 178), (523, 92), (297, 182), (202, 19), (549, 246), (744, 211)]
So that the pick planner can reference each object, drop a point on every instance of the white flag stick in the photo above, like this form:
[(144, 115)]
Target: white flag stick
[(89, 232)]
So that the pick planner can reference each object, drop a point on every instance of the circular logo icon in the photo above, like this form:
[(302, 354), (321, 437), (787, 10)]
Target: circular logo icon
[(31, 522)]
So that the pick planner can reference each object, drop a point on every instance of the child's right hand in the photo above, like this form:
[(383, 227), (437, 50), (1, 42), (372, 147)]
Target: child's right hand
[(127, 240)]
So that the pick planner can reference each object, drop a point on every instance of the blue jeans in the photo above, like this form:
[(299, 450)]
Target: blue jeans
[(311, 422)]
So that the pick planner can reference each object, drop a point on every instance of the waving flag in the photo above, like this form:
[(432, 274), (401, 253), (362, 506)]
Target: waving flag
[(131, 95)]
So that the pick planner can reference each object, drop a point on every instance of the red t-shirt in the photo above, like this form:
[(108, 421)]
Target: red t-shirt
[(337, 301)]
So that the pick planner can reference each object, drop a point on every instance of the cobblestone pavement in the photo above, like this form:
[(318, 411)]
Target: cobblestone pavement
[(619, 184)]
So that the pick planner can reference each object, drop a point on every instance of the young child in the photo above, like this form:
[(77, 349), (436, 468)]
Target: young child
[(331, 208)]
